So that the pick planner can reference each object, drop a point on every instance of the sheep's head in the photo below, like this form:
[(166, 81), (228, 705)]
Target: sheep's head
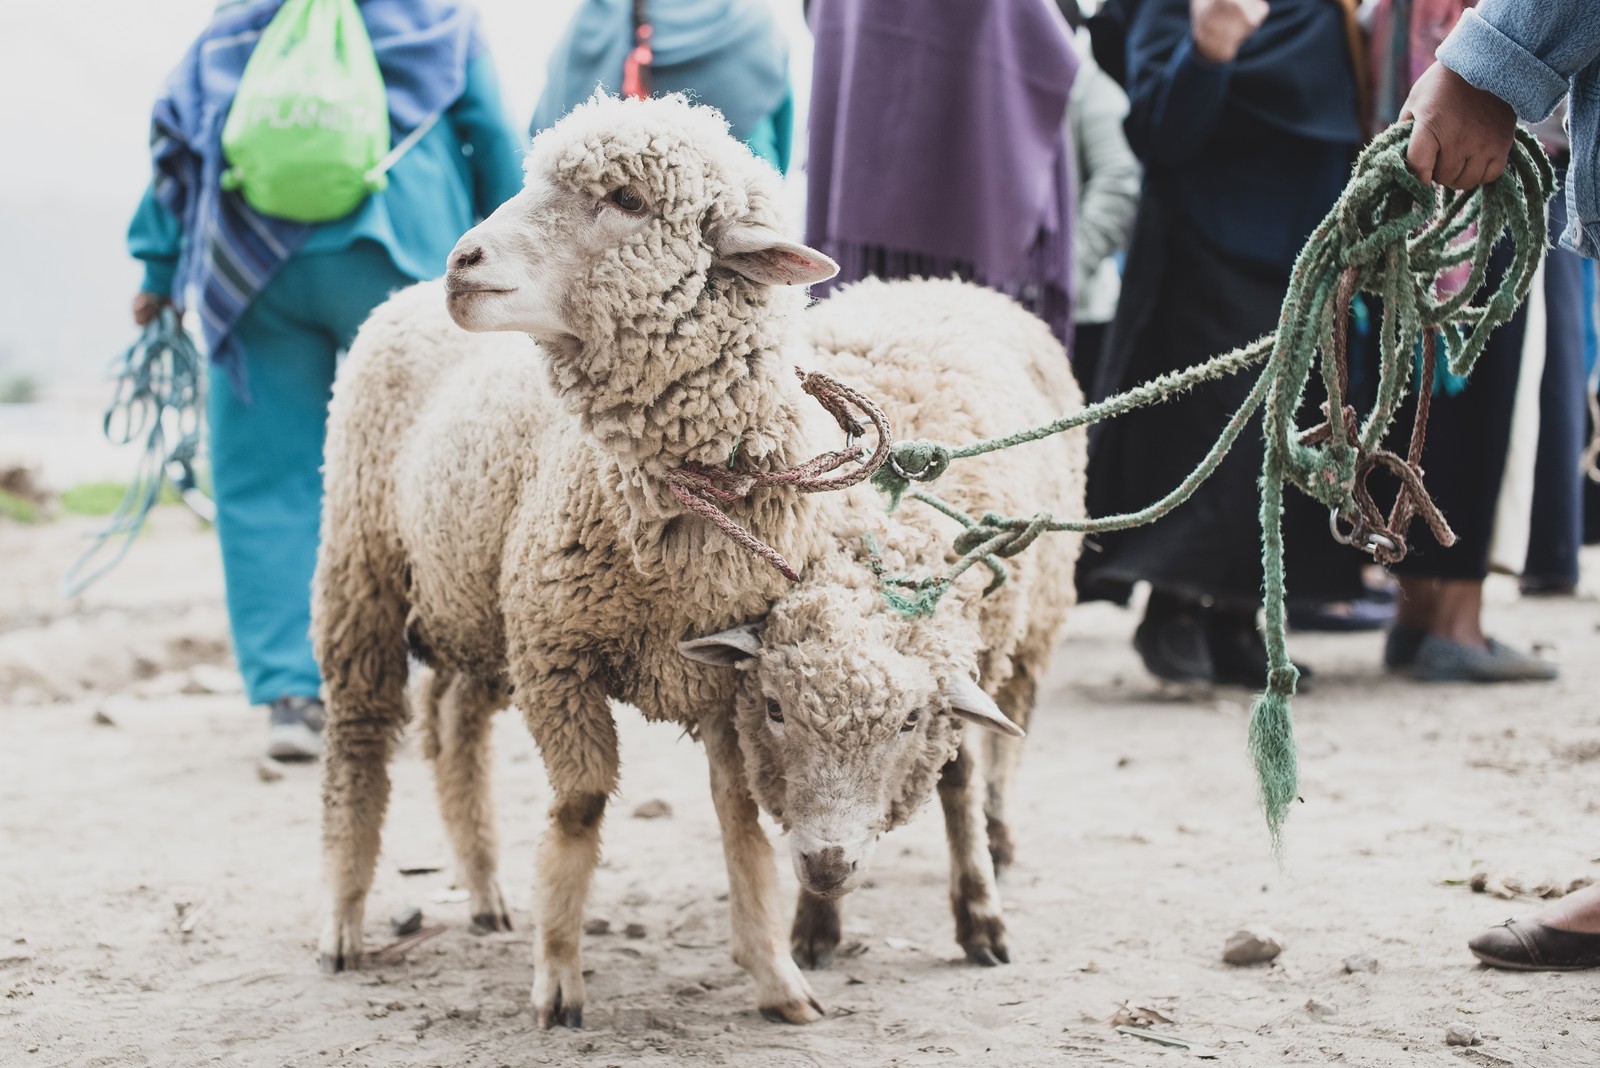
[(846, 713), (635, 214)]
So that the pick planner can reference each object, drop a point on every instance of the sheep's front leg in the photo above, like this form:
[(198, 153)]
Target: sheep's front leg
[(360, 643), (569, 718), (457, 715), (980, 927), (782, 993)]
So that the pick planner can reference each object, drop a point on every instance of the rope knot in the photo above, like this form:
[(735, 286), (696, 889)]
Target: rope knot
[(1283, 679), (908, 462)]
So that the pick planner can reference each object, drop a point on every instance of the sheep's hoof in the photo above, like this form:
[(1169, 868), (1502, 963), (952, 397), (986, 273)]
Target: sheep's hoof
[(339, 948), (815, 957), (331, 963), (558, 996), (799, 1011), (986, 956), (981, 934), (489, 922)]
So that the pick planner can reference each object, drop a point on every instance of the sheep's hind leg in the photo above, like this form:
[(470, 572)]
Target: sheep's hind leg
[(360, 631), (458, 715), (782, 993), (1016, 699), (818, 926), (974, 898), (570, 720)]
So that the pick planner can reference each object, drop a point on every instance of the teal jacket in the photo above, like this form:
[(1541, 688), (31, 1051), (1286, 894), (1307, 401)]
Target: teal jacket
[(460, 171)]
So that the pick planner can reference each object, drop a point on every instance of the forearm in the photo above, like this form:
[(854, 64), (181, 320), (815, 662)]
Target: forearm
[(1524, 51), (155, 238)]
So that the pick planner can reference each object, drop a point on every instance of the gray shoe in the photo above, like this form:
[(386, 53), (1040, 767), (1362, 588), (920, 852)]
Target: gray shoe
[(294, 732), (1442, 660), (1400, 647)]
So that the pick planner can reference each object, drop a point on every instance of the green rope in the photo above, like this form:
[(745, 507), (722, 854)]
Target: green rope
[(1389, 235)]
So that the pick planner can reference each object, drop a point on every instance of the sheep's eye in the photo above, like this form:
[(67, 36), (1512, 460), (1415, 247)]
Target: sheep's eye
[(774, 712), (627, 200), (911, 723)]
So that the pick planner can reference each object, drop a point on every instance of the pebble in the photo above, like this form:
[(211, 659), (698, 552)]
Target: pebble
[(1460, 1034), (634, 930), (1321, 1010), (470, 1015), (103, 720), (597, 926), (268, 770), (1252, 945), (407, 921), (1360, 963), (653, 810)]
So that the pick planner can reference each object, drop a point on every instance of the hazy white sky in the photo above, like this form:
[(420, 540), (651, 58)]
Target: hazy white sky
[(78, 77)]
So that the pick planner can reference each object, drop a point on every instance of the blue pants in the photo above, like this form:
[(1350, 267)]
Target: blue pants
[(266, 456)]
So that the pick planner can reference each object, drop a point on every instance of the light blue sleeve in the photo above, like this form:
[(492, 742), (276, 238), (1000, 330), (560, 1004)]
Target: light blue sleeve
[(1525, 52), (155, 237), (479, 118)]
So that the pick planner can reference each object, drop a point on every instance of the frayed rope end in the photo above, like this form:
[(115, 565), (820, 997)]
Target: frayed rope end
[(1272, 750)]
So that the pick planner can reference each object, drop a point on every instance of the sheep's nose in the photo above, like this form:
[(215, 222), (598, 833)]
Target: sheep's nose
[(465, 256), (827, 868)]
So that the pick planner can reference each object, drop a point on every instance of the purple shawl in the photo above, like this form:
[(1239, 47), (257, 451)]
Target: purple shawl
[(938, 144)]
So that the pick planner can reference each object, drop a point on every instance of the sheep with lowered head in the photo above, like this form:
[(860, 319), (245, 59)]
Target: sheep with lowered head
[(502, 508)]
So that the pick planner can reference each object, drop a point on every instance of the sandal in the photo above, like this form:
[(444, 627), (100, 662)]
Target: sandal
[(1526, 946)]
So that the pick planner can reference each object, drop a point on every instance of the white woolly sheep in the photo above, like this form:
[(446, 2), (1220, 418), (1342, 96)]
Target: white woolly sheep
[(532, 557)]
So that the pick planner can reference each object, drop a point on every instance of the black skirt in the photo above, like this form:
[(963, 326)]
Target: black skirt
[(1184, 301)]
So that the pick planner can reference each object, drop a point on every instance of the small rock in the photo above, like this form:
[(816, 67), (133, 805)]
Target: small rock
[(637, 1045), (694, 990), (1460, 1034), (469, 1015), (377, 1012), (634, 930), (597, 926), (653, 810), (407, 921), (268, 770), (1360, 963), (103, 720), (1478, 881), (1321, 1010), (1252, 945)]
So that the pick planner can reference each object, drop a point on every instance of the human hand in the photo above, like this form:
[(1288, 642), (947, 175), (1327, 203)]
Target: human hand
[(1220, 27), (1463, 133), (146, 306)]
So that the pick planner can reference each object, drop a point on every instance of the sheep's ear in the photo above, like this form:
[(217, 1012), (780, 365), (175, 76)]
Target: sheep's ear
[(728, 648), (762, 255), (967, 700)]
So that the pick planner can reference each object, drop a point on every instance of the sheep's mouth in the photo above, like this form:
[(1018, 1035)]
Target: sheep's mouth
[(455, 292)]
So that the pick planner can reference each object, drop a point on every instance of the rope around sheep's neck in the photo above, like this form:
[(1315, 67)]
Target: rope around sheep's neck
[(1389, 235)]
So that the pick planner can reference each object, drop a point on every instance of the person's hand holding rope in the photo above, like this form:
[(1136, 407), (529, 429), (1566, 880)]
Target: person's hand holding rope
[(1462, 138)]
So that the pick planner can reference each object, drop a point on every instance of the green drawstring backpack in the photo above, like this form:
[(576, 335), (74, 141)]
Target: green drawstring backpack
[(307, 137)]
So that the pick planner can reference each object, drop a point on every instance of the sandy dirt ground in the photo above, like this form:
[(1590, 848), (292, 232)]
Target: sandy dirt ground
[(159, 900)]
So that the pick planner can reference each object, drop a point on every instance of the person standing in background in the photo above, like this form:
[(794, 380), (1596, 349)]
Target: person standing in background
[(1246, 116), (278, 301), (938, 146), (1106, 177), (1438, 631), (730, 54)]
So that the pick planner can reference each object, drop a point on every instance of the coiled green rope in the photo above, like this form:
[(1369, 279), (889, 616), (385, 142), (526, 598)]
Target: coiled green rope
[(160, 389), (1389, 235)]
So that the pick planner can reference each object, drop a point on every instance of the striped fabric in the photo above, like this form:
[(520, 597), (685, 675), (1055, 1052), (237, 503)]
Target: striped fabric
[(230, 251)]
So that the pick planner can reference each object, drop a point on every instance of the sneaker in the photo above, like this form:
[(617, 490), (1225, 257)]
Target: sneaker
[(294, 731), (1442, 660), (1171, 640), (1400, 647)]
